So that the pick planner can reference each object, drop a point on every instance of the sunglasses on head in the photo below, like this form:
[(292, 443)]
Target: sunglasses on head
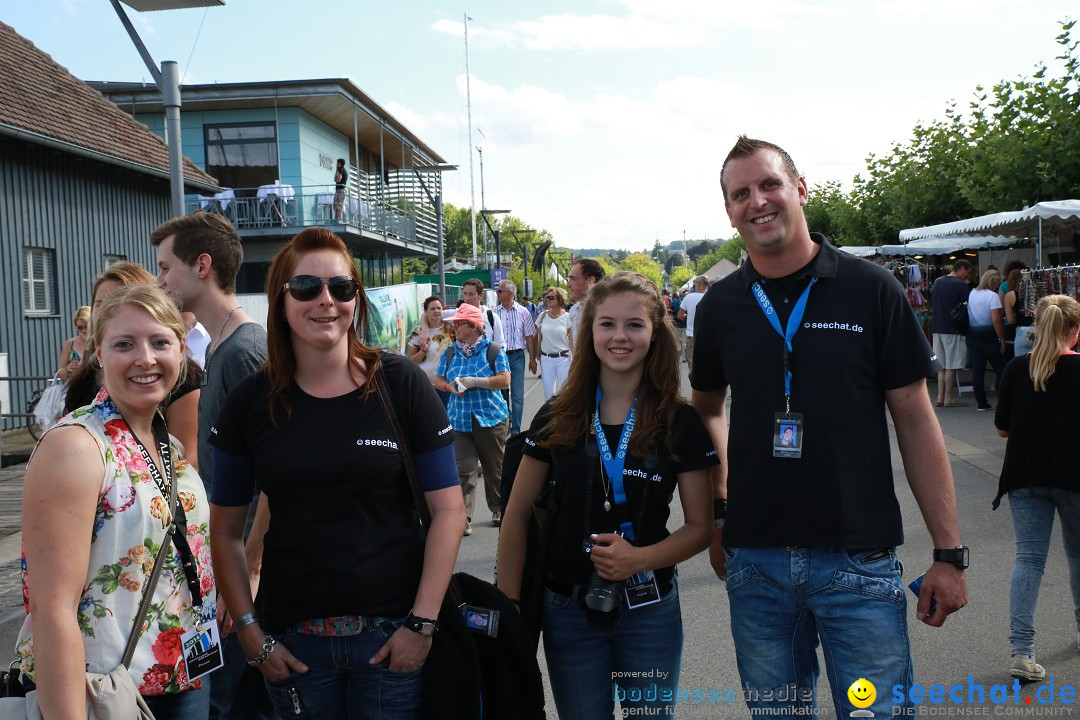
[(307, 287)]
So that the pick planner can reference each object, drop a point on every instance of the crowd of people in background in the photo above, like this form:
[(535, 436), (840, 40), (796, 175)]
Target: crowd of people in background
[(295, 428)]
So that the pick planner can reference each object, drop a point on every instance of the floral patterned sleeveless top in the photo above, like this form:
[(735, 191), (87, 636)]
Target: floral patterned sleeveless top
[(129, 526)]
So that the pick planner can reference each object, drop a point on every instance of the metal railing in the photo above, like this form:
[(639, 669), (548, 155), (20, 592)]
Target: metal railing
[(288, 207)]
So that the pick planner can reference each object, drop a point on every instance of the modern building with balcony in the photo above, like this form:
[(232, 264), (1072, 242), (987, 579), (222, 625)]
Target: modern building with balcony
[(273, 146)]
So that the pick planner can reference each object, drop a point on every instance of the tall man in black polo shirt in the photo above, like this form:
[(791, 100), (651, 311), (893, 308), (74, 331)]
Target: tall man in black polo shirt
[(808, 549)]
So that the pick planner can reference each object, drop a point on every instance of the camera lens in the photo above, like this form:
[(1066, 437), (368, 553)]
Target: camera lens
[(602, 595)]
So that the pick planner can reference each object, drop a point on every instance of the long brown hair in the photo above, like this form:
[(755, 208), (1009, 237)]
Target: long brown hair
[(571, 410), (280, 365), (1056, 319)]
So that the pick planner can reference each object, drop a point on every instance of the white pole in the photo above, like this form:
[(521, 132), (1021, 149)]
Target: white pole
[(468, 110)]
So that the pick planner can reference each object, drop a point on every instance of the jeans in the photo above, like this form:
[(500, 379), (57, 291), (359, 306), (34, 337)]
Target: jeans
[(983, 347), (517, 389), (1033, 520), (591, 665), (1023, 343), (339, 682), (190, 705), (784, 601), (236, 690)]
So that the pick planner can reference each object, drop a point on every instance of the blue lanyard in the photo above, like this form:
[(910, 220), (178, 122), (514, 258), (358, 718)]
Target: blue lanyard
[(794, 320), (614, 465)]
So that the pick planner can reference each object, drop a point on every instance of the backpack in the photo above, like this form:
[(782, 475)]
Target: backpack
[(492, 356)]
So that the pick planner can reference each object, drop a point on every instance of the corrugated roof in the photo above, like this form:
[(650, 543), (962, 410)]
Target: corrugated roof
[(40, 96)]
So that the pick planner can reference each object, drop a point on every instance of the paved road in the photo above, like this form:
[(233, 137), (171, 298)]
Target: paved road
[(972, 643)]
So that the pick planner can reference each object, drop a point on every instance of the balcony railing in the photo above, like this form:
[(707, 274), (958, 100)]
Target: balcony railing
[(282, 206)]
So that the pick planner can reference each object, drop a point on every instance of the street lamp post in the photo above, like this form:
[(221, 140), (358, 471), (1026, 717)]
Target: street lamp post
[(436, 201), (168, 82), (495, 233)]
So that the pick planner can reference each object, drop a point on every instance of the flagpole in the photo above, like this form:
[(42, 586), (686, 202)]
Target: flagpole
[(468, 110)]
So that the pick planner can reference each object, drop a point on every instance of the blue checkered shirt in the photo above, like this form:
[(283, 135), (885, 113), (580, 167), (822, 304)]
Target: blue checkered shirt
[(487, 406)]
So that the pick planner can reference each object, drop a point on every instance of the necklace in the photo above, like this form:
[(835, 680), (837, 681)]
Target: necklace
[(607, 488), (210, 350)]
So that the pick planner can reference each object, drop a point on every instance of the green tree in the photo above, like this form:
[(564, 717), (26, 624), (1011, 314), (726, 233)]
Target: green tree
[(678, 276), (642, 263)]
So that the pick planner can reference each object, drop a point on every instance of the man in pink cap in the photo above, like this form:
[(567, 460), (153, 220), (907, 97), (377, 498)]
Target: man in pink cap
[(474, 372)]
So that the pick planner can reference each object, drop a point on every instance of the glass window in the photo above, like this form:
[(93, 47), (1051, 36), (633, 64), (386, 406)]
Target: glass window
[(242, 155), (39, 284), (111, 258)]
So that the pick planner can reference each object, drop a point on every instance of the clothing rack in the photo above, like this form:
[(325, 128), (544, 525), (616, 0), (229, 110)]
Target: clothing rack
[(1037, 284)]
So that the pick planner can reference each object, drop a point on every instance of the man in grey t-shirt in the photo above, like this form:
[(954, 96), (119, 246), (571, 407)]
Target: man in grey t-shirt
[(199, 256)]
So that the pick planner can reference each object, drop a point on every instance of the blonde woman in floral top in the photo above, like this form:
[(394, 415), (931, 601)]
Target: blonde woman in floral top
[(94, 518)]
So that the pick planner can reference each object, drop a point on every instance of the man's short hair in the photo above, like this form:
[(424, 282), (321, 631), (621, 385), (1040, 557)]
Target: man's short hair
[(591, 268), (341, 161), (479, 284), (962, 264), (205, 233), (701, 280), (509, 285), (745, 147)]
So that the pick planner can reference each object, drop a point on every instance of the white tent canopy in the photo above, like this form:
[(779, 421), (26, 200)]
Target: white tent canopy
[(862, 251), (1034, 223), (951, 244)]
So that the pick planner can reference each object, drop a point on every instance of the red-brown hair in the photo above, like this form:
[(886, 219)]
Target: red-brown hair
[(280, 365)]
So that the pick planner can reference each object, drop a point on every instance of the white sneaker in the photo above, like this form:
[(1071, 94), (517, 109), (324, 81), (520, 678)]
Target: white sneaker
[(1025, 667)]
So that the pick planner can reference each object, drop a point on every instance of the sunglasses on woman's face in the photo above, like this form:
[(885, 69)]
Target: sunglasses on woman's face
[(307, 287), (549, 298)]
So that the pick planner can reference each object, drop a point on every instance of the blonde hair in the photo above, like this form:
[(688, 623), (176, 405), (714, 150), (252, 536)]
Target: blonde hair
[(81, 313), (156, 303), (1057, 317), (560, 292), (989, 280)]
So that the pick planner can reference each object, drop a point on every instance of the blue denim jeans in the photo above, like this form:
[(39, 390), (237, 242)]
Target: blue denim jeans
[(590, 666), (517, 389), (190, 705), (339, 682), (784, 602), (1033, 520)]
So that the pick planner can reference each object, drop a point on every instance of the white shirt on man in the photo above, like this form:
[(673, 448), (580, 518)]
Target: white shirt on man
[(689, 304)]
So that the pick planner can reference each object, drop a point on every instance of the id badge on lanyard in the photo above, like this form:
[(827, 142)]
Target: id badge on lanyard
[(788, 428)]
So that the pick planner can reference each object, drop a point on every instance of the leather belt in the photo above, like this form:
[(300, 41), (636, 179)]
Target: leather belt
[(564, 353)]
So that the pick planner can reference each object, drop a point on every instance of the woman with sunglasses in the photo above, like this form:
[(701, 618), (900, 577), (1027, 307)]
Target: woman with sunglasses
[(553, 328), (350, 589), (618, 441), (428, 341)]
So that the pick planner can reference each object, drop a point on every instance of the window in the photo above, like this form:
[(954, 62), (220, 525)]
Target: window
[(242, 155), (39, 284), (110, 259)]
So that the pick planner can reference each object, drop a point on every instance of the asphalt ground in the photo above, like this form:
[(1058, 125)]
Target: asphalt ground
[(970, 649)]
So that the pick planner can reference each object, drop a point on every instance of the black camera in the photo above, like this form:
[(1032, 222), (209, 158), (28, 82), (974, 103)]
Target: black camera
[(602, 595)]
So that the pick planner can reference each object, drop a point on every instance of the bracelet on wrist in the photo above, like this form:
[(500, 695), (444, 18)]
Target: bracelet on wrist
[(267, 647), (245, 620)]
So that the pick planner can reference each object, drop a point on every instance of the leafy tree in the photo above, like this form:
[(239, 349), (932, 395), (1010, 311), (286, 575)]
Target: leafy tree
[(642, 263), (678, 277)]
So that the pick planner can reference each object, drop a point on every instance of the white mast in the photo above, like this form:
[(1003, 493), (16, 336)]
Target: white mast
[(468, 106)]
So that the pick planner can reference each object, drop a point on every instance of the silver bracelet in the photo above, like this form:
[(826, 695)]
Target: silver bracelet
[(267, 648), (245, 620)]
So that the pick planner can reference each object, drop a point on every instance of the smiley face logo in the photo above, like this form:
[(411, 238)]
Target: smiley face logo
[(862, 693)]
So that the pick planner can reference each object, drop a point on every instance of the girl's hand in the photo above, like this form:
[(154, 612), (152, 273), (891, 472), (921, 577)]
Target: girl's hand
[(406, 649), (615, 559)]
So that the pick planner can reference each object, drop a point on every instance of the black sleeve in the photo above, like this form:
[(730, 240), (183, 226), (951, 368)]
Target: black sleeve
[(531, 448), (903, 354), (708, 373), (1005, 392), (423, 415), (693, 444), (227, 432)]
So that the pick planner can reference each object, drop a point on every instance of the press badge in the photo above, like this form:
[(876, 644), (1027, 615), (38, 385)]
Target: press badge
[(202, 650), (787, 435), (641, 590)]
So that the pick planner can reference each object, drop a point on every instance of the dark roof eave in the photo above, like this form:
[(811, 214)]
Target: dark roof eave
[(19, 133)]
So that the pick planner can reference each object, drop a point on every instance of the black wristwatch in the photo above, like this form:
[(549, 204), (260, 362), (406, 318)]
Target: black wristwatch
[(420, 626), (958, 556)]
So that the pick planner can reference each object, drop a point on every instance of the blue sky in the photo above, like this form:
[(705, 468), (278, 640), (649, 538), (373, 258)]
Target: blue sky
[(603, 121)]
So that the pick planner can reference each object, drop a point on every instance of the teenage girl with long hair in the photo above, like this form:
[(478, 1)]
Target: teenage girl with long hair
[(619, 441), (1037, 403)]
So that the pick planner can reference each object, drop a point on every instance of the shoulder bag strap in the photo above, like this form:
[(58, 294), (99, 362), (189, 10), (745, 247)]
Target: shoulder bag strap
[(410, 470), (151, 584)]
